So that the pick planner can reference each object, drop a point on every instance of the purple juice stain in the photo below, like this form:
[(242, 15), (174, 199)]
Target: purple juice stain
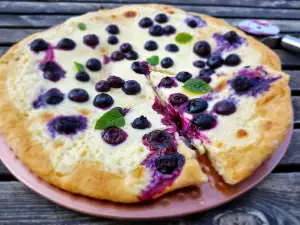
[(252, 82), (67, 125), (165, 169), (106, 59), (223, 45), (195, 21)]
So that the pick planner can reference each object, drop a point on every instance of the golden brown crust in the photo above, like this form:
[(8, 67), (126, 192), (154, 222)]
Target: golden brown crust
[(274, 109), (96, 182)]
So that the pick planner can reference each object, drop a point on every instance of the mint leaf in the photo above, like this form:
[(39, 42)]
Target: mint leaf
[(153, 60), (81, 26), (110, 118), (197, 85), (79, 67), (183, 38)]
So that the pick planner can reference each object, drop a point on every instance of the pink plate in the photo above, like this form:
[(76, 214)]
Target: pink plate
[(179, 203)]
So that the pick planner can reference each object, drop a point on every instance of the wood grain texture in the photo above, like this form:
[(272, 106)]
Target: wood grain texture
[(78, 8), (44, 21), (273, 202), (287, 4)]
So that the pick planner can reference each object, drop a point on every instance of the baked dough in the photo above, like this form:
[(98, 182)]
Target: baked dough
[(83, 162)]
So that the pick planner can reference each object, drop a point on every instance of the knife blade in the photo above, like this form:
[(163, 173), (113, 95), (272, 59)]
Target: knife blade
[(287, 42)]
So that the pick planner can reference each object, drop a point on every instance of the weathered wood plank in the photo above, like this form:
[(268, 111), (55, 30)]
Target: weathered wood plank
[(77, 8), (295, 79), (42, 21), (275, 201), (242, 3), (289, 60)]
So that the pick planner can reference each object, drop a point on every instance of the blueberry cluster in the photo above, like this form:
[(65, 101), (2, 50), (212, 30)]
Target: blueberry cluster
[(103, 100), (157, 30), (125, 51), (214, 60), (113, 30)]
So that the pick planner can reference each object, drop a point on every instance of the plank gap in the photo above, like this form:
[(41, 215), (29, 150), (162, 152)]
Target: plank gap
[(287, 168)]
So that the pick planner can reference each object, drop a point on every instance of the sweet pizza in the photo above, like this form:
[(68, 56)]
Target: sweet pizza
[(116, 104)]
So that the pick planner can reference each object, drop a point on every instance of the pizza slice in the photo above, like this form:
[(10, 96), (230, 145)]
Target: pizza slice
[(235, 120)]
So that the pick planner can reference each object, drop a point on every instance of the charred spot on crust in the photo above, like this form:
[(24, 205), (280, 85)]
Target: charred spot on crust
[(241, 133), (130, 14)]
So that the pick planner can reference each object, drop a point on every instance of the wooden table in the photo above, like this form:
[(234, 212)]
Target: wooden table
[(275, 201)]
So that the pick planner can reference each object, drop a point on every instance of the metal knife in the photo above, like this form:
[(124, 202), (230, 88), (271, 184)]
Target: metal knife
[(287, 42)]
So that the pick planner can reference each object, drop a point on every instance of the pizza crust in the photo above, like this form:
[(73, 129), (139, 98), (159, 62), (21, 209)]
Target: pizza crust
[(274, 113), (87, 177)]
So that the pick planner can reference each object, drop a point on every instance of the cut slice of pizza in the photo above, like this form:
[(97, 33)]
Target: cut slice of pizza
[(235, 120)]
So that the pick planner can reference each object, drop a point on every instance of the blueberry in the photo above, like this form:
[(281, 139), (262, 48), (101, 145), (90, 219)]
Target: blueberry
[(102, 86), (117, 56), (166, 62), (66, 44), (145, 22), (140, 68), (132, 55), (172, 48), (161, 18), (197, 105), (206, 72), (141, 123), (231, 37), (215, 61), (78, 95), (232, 60), (225, 107), (156, 30), (131, 87), (39, 45), (91, 40), (199, 64), (112, 29), (115, 81), (123, 111), (241, 84), (166, 82), (126, 47), (93, 64), (177, 99), (151, 46), (112, 40), (114, 135), (204, 121), (167, 163), (183, 76), (169, 29), (205, 78), (103, 100), (159, 140), (68, 125), (202, 48), (52, 97), (192, 23), (82, 76), (52, 71)]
